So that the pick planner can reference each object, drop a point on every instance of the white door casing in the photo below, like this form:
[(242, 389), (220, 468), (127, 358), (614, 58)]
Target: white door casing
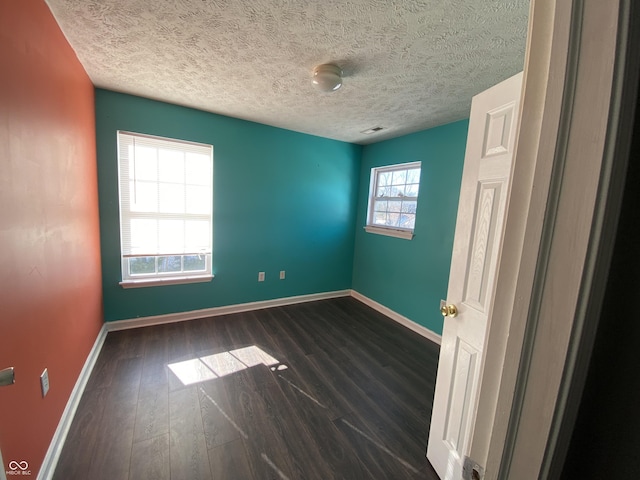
[(484, 192), (2, 472)]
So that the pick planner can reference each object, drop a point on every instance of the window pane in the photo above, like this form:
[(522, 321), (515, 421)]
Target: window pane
[(171, 166), (380, 206), (395, 206), (409, 207), (198, 169), (144, 163), (144, 236), (171, 198), (172, 263), (171, 236), (412, 190), (413, 175), (142, 265), (408, 220), (198, 234), (380, 218), (383, 192), (198, 199), (194, 263), (143, 196), (393, 220), (384, 179), (397, 191), (399, 177)]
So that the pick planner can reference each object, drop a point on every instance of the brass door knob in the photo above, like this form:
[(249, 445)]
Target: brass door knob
[(449, 310)]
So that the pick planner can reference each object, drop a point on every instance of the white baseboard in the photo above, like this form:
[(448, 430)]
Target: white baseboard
[(216, 311), (57, 442), (401, 319)]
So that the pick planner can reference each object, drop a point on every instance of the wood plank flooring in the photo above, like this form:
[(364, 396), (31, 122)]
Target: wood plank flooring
[(321, 390)]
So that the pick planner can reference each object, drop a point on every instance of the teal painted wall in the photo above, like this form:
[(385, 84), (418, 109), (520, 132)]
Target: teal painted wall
[(411, 276), (282, 201)]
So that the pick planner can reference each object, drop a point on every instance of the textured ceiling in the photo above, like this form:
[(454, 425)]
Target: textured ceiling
[(408, 64)]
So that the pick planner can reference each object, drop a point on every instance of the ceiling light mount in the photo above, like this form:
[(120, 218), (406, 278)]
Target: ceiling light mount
[(327, 77)]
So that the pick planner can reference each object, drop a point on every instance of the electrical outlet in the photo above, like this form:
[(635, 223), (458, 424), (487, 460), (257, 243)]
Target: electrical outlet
[(261, 276), (281, 274), (44, 382)]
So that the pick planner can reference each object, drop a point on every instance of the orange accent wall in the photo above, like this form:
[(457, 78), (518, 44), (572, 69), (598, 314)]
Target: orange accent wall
[(50, 279)]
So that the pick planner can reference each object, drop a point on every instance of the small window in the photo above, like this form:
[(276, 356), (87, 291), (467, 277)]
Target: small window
[(393, 199), (166, 204)]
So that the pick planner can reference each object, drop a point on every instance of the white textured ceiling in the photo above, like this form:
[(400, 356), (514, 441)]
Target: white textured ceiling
[(408, 64)]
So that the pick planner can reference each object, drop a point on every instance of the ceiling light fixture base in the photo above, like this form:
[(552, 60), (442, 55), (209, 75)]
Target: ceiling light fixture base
[(327, 77)]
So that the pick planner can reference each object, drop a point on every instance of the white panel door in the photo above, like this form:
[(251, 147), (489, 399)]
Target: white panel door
[(491, 140)]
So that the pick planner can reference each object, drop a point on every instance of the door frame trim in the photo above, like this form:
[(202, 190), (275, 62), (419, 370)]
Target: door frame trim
[(615, 161), (555, 236)]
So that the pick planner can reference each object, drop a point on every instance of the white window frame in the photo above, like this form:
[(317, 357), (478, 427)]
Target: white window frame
[(183, 249), (392, 231)]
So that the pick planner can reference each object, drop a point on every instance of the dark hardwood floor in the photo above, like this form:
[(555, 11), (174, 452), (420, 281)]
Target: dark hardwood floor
[(321, 390)]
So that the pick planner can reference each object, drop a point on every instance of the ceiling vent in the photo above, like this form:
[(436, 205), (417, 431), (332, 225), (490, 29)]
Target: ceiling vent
[(372, 130)]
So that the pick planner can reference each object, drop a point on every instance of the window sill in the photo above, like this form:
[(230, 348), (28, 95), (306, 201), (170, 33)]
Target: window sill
[(390, 232), (157, 282)]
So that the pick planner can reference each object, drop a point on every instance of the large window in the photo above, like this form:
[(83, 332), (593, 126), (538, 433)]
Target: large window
[(393, 199), (166, 204)]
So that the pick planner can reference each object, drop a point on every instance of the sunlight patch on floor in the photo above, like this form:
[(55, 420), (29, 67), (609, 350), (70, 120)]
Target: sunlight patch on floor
[(209, 367)]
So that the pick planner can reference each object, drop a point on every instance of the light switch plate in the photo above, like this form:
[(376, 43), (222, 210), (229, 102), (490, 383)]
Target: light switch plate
[(7, 377), (44, 382)]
